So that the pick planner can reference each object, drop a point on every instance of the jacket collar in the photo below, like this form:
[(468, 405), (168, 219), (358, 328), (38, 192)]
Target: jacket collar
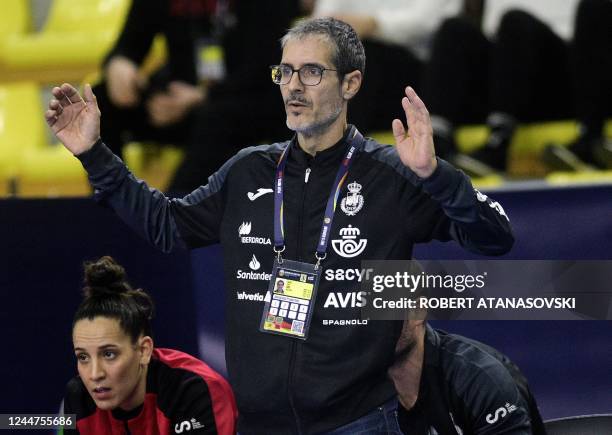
[(329, 156)]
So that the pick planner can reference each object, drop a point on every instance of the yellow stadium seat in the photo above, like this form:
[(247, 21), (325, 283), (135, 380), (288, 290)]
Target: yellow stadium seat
[(527, 144), (153, 162), (74, 40), (29, 166), (16, 17), (21, 125), (585, 177), (50, 172)]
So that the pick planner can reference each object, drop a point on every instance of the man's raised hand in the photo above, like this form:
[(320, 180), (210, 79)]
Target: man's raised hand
[(75, 120), (415, 146)]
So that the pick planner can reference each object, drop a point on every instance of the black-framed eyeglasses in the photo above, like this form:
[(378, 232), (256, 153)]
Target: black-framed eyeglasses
[(310, 75)]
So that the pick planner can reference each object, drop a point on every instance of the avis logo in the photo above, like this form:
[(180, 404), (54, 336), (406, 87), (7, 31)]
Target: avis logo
[(500, 412), (348, 300), (349, 246)]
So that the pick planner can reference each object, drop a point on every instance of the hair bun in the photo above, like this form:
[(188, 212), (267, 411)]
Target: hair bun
[(105, 276)]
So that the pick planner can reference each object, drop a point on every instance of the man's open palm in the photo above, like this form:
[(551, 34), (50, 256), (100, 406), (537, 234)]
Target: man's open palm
[(415, 145), (73, 119)]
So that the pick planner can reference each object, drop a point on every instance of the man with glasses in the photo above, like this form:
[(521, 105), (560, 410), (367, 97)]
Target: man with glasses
[(314, 206)]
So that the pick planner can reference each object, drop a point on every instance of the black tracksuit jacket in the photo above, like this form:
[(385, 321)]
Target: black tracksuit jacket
[(469, 388), (285, 385)]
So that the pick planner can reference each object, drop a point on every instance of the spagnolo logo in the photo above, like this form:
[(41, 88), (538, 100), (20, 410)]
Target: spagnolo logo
[(350, 245), (244, 232)]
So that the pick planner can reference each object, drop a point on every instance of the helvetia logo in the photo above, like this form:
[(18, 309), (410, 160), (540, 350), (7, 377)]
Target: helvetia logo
[(254, 297), (349, 246)]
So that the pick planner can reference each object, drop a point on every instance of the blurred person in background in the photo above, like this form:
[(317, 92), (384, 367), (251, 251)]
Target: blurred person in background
[(591, 55), (242, 109), (180, 103), (521, 65), (448, 384), (397, 36), (160, 107), (125, 384)]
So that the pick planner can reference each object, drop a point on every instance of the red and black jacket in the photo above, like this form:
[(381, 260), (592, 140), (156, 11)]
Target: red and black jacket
[(183, 395)]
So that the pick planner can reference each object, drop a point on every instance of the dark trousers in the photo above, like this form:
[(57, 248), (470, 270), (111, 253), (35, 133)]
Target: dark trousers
[(521, 73), (592, 63), (527, 72)]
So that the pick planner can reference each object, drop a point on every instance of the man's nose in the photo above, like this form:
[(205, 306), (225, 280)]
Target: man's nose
[(295, 84)]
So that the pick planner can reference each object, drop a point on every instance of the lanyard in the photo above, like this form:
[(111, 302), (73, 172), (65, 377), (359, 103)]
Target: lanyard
[(355, 143)]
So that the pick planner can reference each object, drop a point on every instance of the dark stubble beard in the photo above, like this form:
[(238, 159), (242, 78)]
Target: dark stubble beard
[(320, 126)]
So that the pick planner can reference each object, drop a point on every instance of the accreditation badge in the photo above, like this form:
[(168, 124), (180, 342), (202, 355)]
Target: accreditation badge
[(210, 61), (293, 288)]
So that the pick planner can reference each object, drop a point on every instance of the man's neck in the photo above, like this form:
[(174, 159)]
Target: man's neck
[(319, 141), (406, 373)]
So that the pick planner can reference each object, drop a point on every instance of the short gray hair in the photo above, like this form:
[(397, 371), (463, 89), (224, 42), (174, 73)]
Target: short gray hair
[(348, 54)]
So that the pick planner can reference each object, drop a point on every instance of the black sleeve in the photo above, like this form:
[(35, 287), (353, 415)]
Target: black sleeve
[(460, 212), (193, 411), (143, 22), (190, 406), (489, 400), (190, 222)]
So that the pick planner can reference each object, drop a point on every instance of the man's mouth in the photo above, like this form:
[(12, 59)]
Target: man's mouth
[(296, 103)]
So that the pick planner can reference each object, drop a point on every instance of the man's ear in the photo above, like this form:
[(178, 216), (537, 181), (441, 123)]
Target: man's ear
[(351, 84)]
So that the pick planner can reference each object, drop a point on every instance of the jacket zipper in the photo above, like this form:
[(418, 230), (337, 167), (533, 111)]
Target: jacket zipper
[(294, 344)]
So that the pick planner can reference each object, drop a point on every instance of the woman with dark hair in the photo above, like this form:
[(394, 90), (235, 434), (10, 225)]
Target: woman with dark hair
[(125, 385)]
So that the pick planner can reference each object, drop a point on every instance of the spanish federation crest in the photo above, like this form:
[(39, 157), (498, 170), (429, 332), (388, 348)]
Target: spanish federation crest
[(353, 202)]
